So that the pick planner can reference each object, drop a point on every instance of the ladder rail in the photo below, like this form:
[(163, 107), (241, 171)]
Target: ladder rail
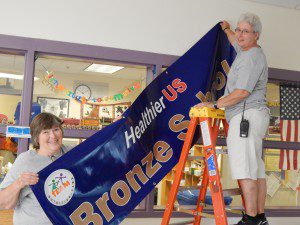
[(209, 141), (201, 197), (179, 170), (209, 121)]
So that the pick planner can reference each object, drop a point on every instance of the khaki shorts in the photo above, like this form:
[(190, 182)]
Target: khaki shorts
[(245, 154)]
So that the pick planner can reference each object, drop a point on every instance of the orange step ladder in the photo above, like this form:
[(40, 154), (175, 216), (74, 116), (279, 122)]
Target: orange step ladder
[(209, 120)]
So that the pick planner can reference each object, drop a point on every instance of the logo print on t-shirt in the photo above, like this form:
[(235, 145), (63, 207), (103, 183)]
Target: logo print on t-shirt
[(59, 187)]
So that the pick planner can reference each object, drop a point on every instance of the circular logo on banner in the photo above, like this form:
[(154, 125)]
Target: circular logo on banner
[(59, 187)]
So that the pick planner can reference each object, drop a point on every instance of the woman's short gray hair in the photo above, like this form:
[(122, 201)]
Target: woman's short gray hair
[(253, 20)]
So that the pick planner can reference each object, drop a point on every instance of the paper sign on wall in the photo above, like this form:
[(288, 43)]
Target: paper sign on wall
[(18, 131)]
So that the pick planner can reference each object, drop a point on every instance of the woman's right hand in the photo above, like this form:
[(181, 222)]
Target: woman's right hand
[(203, 104), (27, 178), (230, 34), (225, 24)]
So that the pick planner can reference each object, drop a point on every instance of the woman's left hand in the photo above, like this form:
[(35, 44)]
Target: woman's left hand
[(204, 104)]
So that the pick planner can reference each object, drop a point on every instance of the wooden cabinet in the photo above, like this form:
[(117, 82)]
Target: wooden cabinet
[(192, 175)]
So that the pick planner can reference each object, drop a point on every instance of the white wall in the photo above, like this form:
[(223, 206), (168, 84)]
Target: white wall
[(163, 26)]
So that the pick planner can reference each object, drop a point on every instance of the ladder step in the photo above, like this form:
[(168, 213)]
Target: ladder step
[(194, 212), (183, 188), (226, 192), (232, 192), (187, 207), (234, 211), (183, 222), (192, 207), (195, 157), (207, 112)]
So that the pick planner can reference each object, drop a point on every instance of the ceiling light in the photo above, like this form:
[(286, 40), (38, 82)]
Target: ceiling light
[(14, 76), (100, 68)]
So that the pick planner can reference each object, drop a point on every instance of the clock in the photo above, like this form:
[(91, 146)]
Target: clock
[(83, 90)]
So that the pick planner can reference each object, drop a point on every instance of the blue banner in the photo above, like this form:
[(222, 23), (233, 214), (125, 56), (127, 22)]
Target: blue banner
[(104, 178)]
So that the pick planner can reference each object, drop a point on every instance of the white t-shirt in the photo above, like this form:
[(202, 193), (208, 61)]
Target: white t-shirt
[(249, 72)]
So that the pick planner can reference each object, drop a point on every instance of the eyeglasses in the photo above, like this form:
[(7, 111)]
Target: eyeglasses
[(239, 31)]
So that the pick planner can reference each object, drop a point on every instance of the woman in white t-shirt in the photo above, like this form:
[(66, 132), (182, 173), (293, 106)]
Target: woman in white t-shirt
[(245, 98)]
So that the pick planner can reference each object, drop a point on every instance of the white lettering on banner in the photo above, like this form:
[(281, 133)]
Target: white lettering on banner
[(147, 117), (152, 111), (84, 214)]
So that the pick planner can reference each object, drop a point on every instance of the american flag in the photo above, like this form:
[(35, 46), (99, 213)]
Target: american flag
[(290, 124)]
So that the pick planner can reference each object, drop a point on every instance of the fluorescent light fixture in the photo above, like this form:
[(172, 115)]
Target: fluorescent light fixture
[(101, 68), (14, 76)]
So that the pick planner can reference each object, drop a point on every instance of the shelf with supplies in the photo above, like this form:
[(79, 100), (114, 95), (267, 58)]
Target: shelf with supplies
[(191, 177), (93, 117), (105, 113)]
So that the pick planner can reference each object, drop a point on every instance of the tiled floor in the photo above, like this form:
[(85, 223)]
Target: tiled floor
[(156, 221), (4, 215)]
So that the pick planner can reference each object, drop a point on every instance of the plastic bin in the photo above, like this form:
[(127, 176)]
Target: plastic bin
[(35, 109), (190, 197)]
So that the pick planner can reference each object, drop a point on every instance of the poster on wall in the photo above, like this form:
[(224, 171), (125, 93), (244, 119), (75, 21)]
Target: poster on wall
[(106, 111), (274, 127), (121, 108), (56, 106), (87, 110)]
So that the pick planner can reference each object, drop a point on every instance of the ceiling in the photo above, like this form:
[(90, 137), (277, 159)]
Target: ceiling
[(292, 4)]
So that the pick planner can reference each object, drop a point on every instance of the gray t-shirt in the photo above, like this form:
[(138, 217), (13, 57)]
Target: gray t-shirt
[(28, 210), (249, 72)]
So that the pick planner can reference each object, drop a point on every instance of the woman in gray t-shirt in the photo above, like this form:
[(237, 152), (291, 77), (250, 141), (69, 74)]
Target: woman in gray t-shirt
[(15, 193), (246, 91)]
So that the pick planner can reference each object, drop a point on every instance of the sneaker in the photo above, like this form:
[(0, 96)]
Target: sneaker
[(263, 221), (246, 221)]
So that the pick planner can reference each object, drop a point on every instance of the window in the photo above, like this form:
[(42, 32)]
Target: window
[(86, 99), (11, 85)]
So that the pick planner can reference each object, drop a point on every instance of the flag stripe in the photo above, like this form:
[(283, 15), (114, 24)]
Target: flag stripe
[(282, 158), (295, 139), (298, 131), (289, 159), (289, 125), (288, 136)]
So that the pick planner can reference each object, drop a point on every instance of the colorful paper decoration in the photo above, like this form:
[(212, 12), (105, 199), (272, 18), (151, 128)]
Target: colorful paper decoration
[(50, 81)]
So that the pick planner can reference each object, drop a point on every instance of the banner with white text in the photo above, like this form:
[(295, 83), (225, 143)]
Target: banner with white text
[(104, 178)]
